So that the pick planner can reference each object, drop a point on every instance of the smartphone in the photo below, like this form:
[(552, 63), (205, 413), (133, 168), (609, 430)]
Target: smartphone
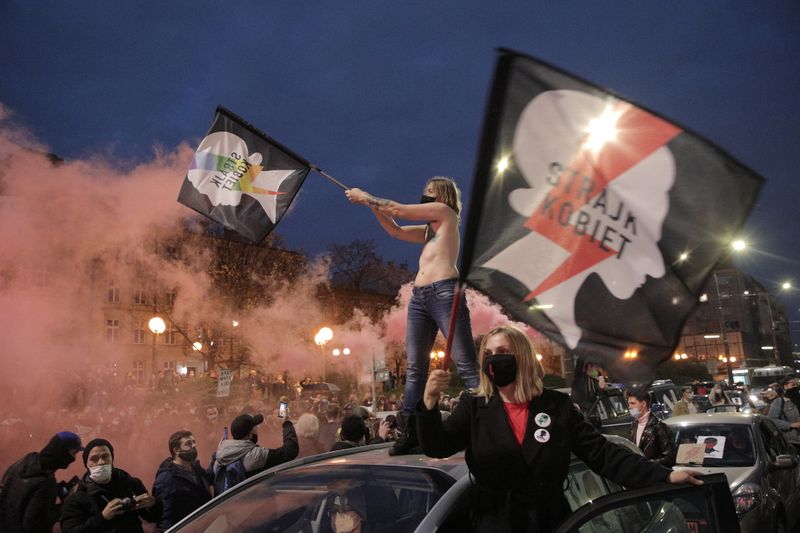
[(282, 409), (225, 433)]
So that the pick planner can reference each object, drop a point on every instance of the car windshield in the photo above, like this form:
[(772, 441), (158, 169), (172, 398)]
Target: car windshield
[(302, 499), (725, 445)]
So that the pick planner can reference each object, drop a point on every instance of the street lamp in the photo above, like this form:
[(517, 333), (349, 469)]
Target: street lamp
[(436, 358), (157, 326), (322, 337)]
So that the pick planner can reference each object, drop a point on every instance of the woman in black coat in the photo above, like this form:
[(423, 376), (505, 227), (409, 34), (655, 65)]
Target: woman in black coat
[(518, 438)]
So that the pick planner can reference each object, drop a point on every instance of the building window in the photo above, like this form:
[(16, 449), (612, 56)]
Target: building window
[(170, 298), (113, 293), (169, 365), (139, 297), (112, 330), (170, 335), (138, 332), (138, 371)]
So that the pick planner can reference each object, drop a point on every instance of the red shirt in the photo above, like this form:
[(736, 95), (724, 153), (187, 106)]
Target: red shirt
[(517, 415)]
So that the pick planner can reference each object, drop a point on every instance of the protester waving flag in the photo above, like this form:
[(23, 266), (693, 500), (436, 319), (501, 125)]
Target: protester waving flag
[(241, 178), (582, 209)]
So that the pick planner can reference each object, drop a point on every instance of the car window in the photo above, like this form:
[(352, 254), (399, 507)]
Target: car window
[(679, 516), (727, 444), (774, 442), (395, 499), (616, 405)]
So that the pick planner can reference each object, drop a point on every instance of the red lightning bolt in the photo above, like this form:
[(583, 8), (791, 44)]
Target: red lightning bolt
[(639, 135)]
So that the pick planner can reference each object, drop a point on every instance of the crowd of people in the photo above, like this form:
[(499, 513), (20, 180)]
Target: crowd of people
[(175, 437)]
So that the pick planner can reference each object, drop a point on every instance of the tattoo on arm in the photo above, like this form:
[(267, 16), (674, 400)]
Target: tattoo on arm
[(376, 202)]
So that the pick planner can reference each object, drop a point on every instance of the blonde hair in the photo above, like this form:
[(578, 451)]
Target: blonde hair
[(307, 426), (528, 383), (447, 192)]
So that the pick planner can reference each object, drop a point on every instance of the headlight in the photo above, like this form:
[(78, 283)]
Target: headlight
[(747, 497)]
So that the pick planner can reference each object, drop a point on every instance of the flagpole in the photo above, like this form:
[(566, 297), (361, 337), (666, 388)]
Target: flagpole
[(329, 178), (451, 327)]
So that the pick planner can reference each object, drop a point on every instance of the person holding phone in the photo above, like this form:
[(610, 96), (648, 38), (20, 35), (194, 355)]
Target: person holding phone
[(241, 457)]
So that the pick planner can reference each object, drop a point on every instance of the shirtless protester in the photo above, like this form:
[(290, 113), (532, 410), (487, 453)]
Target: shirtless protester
[(438, 214)]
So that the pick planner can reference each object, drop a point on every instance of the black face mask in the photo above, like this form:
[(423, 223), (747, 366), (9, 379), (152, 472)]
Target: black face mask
[(501, 369), (793, 394), (254, 438), (188, 455), (425, 199)]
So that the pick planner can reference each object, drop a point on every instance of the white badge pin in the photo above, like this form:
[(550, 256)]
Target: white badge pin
[(542, 435), (542, 420)]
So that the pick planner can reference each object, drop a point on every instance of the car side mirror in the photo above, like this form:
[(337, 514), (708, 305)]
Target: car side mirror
[(784, 461)]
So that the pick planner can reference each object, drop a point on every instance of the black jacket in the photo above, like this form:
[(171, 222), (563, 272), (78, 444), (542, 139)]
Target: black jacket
[(180, 491), (28, 497), (520, 488), (83, 510), (657, 442)]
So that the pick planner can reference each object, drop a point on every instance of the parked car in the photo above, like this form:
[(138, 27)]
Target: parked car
[(664, 394), (761, 466), (416, 493), (610, 414)]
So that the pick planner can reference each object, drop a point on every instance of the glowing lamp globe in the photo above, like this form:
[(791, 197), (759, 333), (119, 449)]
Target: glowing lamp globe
[(157, 325)]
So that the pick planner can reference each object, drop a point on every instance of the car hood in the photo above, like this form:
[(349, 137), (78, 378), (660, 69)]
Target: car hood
[(736, 475)]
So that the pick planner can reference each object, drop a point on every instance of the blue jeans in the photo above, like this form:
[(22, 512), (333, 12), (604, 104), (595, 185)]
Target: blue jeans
[(428, 313)]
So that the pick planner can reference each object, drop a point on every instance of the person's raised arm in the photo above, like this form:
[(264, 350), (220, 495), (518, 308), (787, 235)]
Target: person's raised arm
[(430, 212)]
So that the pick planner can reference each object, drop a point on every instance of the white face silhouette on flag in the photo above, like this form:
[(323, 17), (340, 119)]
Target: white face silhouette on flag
[(224, 170), (599, 175)]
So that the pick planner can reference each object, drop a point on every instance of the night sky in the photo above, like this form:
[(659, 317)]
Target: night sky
[(383, 95)]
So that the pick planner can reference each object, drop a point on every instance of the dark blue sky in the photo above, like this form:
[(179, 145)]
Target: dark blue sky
[(383, 95)]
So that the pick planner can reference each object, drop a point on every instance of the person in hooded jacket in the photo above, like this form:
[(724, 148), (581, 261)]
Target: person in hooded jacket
[(108, 499), (29, 487), (243, 446), (518, 438), (181, 483)]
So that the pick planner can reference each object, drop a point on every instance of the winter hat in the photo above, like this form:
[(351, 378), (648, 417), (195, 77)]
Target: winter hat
[(242, 425), (95, 443), (56, 454)]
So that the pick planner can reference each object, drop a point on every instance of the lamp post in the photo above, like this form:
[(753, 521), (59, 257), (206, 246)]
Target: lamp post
[(322, 337), (727, 357), (157, 326)]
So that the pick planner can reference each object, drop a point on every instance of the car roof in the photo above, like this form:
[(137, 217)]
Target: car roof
[(713, 418)]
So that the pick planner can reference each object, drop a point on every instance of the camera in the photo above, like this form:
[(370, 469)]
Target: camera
[(128, 504), (392, 421)]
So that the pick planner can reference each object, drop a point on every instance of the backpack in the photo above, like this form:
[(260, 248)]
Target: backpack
[(228, 476)]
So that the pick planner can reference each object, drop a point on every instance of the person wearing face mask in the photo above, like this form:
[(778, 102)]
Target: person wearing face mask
[(241, 457), (716, 396), (784, 412), (181, 483), (29, 487), (434, 288), (518, 438), (650, 434), (108, 499)]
